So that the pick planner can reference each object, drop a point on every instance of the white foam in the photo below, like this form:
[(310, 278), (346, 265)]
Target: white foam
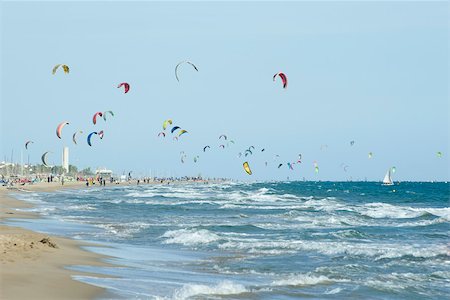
[(222, 288), (40, 209), (377, 251), (170, 192), (384, 210), (262, 195), (302, 280), (333, 291), (190, 237), (397, 281), (134, 201), (124, 230), (81, 207), (349, 233), (440, 212), (422, 223)]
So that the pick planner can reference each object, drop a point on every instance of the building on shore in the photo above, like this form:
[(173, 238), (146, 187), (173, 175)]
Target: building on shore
[(65, 159), (104, 173)]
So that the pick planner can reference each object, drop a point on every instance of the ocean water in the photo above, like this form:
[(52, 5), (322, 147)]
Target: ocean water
[(272, 240)]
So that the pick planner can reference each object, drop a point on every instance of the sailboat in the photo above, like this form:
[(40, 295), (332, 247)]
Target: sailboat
[(387, 178)]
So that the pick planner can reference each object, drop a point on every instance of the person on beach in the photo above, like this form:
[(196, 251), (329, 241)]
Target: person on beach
[(62, 180)]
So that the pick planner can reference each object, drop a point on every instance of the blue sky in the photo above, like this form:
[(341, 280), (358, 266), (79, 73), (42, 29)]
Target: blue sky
[(375, 73)]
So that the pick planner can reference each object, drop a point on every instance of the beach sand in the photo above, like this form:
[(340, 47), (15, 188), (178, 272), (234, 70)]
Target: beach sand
[(32, 264)]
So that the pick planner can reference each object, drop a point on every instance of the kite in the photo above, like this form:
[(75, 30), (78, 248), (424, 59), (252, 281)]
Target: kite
[(74, 136), (27, 143), (352, 143), (247, 168), (174, 128), (110, 112), (370, 155), (187, 62), (100, 134), (44, 158), (283, 78), (279, 166), (182, 131), (183, 156), (223, 136), (94, 118), (439, 154), (161, 133), (168, 121), (65, 69), (89, 138), (125, 85), (60, 127)]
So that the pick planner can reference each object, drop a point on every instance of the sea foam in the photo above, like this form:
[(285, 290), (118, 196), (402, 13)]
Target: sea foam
[(190, 237), (222, 288)]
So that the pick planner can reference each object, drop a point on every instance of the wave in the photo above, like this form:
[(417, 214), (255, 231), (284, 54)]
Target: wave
[(400, 282), (349, 233), (34, 198), (303, 280), (333, 291), (375, 251), (190, 237), (262, 206), (123, 230), (263, 195), (422, 223), (81, 207), (43, 210), (171, 192), (222, 288), (440, 212), (384, 210)]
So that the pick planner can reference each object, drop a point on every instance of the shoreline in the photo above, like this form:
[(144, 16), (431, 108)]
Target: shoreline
[(33, 264)]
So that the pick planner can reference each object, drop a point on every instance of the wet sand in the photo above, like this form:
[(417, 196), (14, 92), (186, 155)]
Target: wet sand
[(32, 264)]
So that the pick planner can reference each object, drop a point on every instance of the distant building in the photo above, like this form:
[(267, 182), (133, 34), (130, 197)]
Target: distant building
[(104, 173), (65, 159)]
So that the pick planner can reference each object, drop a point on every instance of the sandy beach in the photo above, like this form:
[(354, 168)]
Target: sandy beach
[(32, 264)]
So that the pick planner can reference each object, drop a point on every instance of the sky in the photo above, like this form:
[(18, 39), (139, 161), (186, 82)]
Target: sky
[(371, 72)]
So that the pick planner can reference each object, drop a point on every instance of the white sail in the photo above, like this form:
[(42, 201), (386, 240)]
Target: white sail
[(387, 178)]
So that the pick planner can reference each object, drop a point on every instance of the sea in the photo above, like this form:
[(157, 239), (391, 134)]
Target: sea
[(263, 240)]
